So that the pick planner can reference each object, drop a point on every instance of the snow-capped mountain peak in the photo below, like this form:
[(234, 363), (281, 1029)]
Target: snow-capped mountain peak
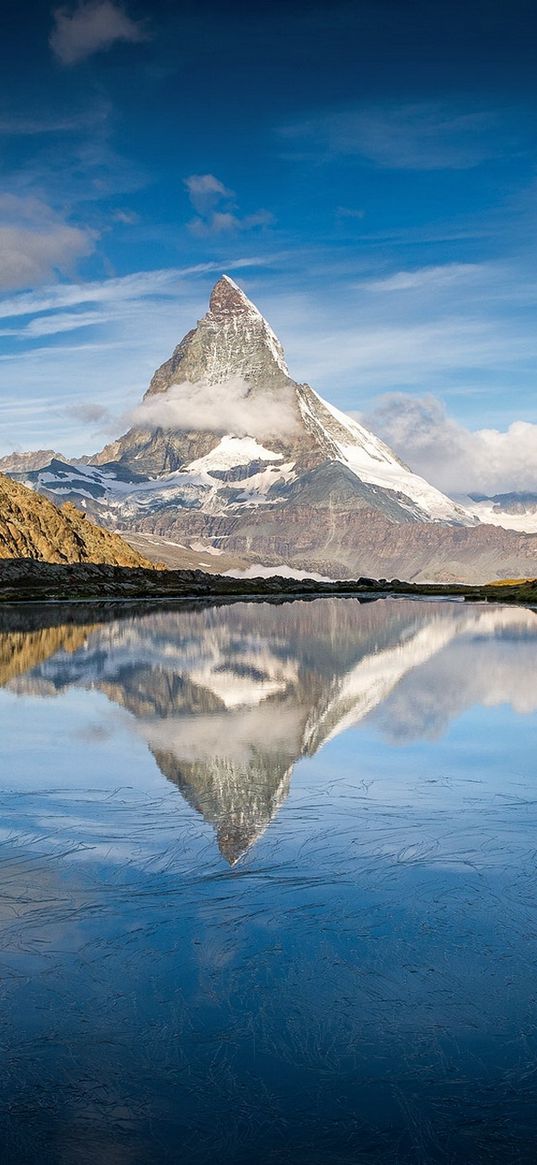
[(229, 454), (232, 340), (230, 307)]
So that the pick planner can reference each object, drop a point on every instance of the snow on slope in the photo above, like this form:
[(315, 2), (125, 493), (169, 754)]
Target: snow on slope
[(232, 452), (374, 463), (343, 439), (487, 513)]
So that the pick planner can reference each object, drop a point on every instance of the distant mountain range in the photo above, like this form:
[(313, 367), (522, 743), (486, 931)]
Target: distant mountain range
[(233, 462), (514, 511)]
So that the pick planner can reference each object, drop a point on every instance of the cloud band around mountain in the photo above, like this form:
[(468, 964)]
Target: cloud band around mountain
[(229, 407)]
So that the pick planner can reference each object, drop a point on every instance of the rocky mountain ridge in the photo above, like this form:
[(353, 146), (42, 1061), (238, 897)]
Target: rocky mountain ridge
[(230, 457)]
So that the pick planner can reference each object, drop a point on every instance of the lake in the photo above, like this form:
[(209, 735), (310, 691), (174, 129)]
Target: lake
[(269, 883)]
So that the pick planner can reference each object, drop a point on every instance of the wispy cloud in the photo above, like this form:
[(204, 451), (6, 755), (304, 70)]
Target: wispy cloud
[(349, 212), (127, 218), (90, 413), (216, 209), (461, 334), (91, 28), (140, 319), (432, 277), (366, 356), (51, 325), (420, 136), (167, 282), (18, 125)]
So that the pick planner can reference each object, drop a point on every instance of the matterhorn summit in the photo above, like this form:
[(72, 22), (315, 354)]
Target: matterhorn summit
[(234, 350), (231, 340), (230, 463)]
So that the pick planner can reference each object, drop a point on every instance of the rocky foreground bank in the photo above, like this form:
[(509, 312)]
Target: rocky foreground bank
[(29, 580)]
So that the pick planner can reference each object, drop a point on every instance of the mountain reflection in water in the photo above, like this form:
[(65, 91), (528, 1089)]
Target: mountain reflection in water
[(228, 699), (348, 974)]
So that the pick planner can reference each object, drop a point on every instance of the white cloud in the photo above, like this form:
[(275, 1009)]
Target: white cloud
[(454, 458), (234, 735), (205, 191), (217, 408), (224, 222), (35, 243), (123, 289), (127, 218), (91, 28), (216, 209)]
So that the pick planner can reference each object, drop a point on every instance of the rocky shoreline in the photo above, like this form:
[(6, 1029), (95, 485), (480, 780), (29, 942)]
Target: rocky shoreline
[(28, 580)]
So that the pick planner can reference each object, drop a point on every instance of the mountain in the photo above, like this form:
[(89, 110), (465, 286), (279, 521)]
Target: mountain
[(513, 511), (26, 462), (228, 700), (230, 456), (33, 527)]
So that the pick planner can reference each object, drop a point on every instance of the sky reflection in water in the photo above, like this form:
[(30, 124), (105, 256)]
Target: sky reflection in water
[(268, 883)]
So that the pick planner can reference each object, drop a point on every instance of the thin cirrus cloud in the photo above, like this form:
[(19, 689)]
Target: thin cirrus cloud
[(20, 126), (92, 27), (433, 277), (205, 192), (216, 210), (142, 287), (420, 136), (452, 456), (51, 325)]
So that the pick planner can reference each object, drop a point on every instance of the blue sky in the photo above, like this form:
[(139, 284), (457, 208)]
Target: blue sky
[(366, 171)]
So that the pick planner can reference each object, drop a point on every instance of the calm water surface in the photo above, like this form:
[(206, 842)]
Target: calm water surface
[(268, 884)]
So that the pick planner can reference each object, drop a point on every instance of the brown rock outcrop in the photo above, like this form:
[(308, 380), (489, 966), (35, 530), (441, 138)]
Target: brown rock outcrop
[(31, 526)]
